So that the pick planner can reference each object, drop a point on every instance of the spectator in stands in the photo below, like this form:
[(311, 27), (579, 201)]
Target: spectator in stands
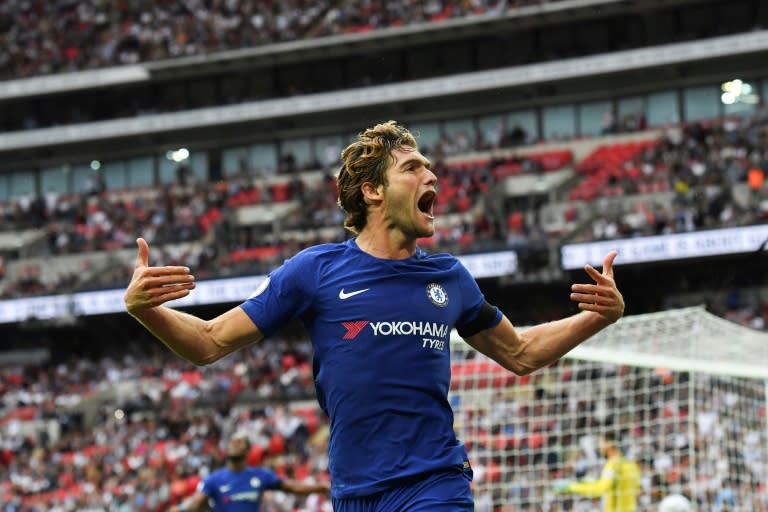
[(756, 181), (238, 486), (387, 190), (94, 185)]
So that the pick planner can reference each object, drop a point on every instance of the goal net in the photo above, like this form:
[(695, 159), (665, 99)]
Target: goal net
[(683, 392)]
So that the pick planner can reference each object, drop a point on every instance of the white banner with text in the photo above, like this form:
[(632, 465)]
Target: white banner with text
[(677, 246)]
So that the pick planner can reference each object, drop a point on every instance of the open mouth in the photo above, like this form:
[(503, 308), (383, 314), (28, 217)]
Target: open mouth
[(427, 202)]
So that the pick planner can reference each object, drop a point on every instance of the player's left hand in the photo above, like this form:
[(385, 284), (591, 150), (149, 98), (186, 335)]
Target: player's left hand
[(603, 297)]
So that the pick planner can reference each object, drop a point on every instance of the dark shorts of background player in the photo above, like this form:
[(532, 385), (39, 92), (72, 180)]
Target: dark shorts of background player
[(446, 491)]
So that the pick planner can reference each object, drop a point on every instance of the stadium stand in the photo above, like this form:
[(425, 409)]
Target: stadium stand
[(157, 414), (643, 186), (69, 37), (551, 124), (138, 39)]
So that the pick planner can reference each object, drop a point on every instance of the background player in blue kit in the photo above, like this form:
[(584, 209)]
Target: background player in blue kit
[(238, 487), (379, 311)]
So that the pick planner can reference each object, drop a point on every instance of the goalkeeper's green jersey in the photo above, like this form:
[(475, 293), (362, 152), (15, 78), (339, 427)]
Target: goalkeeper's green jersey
[(619, 485)]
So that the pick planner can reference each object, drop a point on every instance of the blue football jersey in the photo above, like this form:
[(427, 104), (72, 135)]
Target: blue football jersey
[(380, 331), (238, 491)]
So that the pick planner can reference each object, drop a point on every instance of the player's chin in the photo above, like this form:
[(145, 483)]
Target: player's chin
[(419, 227)]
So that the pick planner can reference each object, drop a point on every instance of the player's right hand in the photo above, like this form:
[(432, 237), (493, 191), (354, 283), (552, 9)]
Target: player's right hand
[(153, 286)]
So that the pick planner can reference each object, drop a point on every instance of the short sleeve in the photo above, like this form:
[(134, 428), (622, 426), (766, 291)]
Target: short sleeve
[(473, 301), (207, 486), (270, 480), (285, 294)]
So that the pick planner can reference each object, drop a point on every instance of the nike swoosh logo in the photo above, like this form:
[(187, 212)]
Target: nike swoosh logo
[(343, 295)]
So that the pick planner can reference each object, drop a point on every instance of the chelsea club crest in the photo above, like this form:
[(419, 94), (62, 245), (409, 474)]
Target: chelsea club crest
[(437, 295)]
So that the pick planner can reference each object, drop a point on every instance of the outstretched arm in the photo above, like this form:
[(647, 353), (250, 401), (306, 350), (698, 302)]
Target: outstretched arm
[(196, 340), (601, 304), (297, 487), (198, 502), (593, 489)]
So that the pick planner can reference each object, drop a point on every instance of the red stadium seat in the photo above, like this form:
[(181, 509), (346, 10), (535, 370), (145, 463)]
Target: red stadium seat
[(255, 455), (276, 445)]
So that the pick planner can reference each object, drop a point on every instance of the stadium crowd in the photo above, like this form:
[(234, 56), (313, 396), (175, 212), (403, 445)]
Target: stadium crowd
[(706, 175), (279, 369), (149, 448), (39, 37), (701, 168), (101, 220)]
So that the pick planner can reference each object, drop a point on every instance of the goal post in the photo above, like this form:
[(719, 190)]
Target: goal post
[(683, 391)]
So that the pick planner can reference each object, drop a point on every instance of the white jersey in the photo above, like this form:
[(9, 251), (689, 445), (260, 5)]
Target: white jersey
[(675, 503)]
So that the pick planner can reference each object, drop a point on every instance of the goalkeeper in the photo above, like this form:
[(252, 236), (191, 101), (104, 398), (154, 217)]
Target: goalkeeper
[(619, 482)]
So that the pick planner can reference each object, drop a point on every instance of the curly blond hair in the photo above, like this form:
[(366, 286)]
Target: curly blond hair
[(366, 160)]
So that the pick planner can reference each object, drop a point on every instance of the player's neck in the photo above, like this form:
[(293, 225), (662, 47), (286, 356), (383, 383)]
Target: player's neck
[(386, 244), (236, 466)]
